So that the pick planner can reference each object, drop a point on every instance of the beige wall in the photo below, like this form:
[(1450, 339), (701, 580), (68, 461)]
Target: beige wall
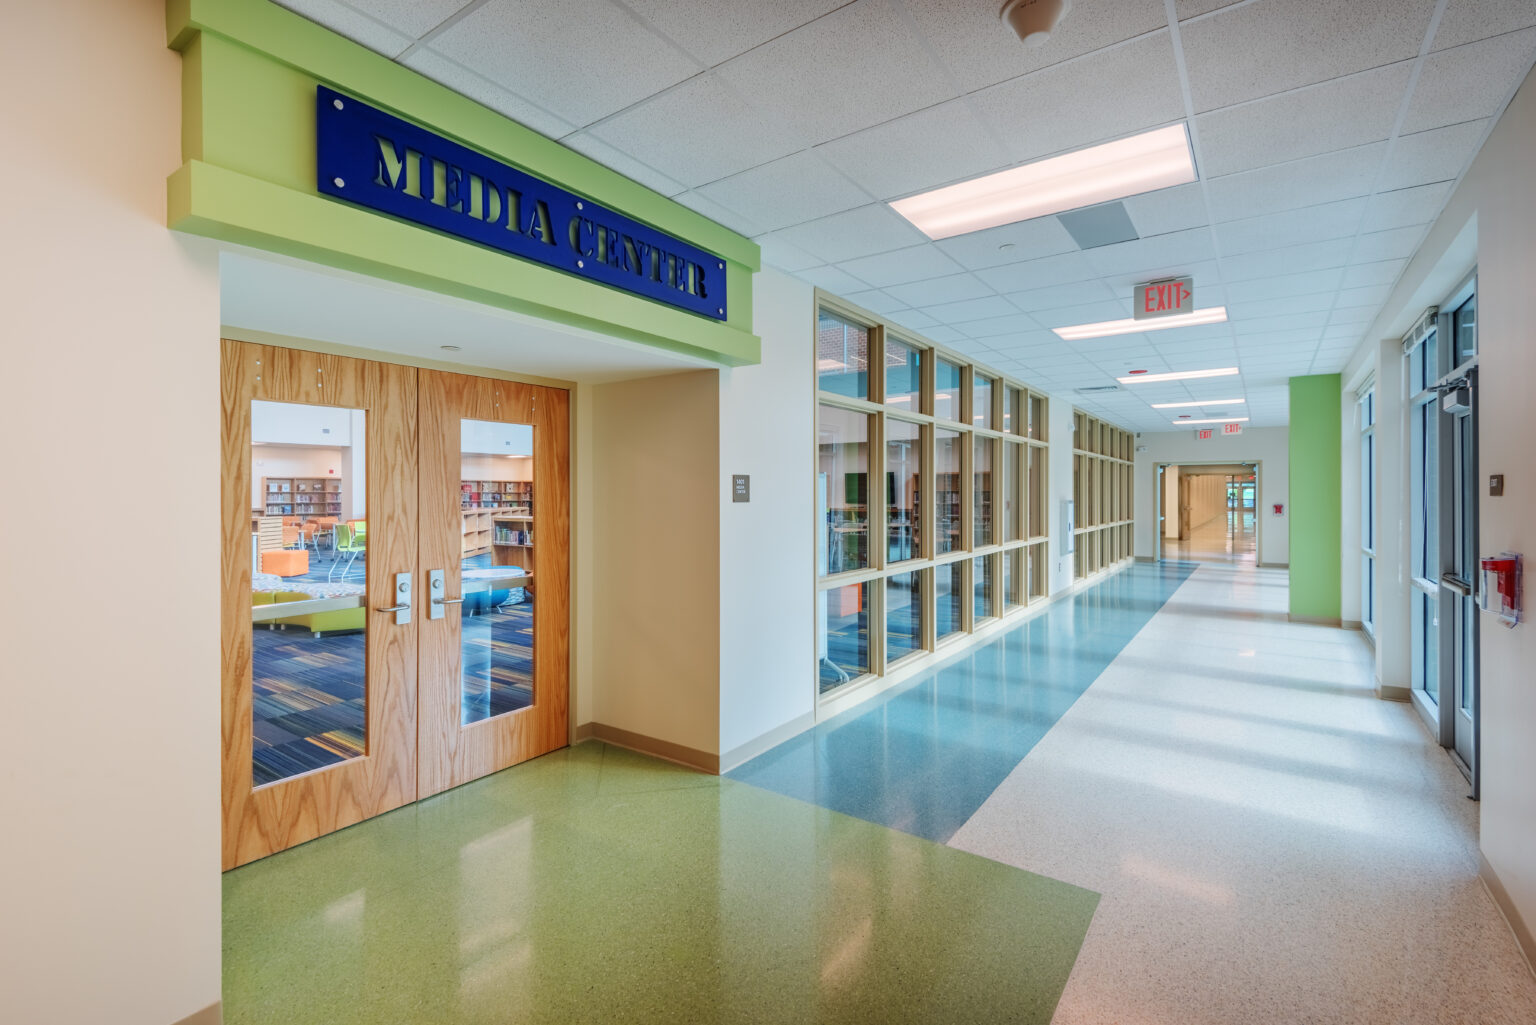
[(295, 461), (1494, 208), (1207, 499), (109, 744), (654, 577)]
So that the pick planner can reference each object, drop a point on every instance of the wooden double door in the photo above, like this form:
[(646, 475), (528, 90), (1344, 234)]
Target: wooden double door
[(390, 628)]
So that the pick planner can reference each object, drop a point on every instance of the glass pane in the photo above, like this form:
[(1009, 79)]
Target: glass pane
[(1010, 493), (842, 357), (1035, 486), (1426, 648), (1431, 364), (981, 584), (1468, 652), (981, 489), (946, 605), (903, 375), (309, 554), (1036, 417), (496, 617), (981, 401), (1013, 577), (843, 641), (903, 473), (842, 489), (1014, 414), (1034, 567), (1465, 319), (946, 480), (946, 390), (903, 615)]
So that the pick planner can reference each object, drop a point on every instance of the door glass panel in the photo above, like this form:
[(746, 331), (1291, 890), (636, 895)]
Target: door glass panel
[(946, 448), (947, 597), (981, 474), (496, 502), (843, 488), (903, 472), (309, 570), (903, 615), (844, 635)]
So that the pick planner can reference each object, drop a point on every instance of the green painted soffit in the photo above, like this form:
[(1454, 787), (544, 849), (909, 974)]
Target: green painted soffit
[(249, 71)]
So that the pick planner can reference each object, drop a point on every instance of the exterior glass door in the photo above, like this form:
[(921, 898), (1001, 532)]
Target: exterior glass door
[(1459, 582)]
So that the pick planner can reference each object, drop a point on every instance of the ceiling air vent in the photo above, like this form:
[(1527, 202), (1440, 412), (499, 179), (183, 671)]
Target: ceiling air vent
[(1102, 225), (1098, 389)]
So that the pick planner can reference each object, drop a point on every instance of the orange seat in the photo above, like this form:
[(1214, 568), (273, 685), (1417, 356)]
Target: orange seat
[(285, 562)]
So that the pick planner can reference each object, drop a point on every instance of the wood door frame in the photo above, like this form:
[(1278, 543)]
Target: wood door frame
[(448, 753), (261, 821)]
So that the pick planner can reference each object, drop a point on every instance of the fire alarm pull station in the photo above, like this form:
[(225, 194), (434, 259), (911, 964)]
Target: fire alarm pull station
[(1500, 593), (1279, 508)]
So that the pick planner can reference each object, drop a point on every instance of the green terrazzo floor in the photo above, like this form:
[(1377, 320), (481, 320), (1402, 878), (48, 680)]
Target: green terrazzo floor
[(598, 885)]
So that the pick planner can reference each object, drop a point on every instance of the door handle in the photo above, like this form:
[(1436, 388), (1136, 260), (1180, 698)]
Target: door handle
[(402, 606), (1456, 584), (447, 601)]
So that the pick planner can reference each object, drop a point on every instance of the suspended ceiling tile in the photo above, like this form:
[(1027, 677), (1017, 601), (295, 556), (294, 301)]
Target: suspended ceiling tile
[(1259, 311), (465, 82), (1258, 49), (1361, 275), (916, 320), (1283, 285), (1286, 322), (719, 214), (838, 283), (1205, 273), (625, 164), (944, 335), (1387, 245), (778, 252), (1403, 208), (913, 264), (414, 18), (979, 50), (937, 146), (1104, 96), (717, 30), (953, 288), (1361, 315), (1010, 243), (1437, 155), (971, 310), (1156, 255), (1291, 228), (1345, 112), (1326, 178), (854, 233), (1085, 313), (796, 188), (871, 299), (667, 132), (1466, 21), (1167, 210), (1471, 81), (1055, 296), (1275, 262), (345, 21), (1270, 341), (1012, 325), (858, 66), (1030, 274)]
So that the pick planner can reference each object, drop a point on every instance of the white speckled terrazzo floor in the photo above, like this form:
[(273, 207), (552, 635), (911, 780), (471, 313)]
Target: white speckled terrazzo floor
[(1274, 844)]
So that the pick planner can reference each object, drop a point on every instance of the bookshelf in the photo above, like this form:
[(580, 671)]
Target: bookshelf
[(484, 502), (512, 540), (301, 496)]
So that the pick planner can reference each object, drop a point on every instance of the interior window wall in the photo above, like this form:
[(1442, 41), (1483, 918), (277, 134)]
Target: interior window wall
[(1102, 508), (957, 455)]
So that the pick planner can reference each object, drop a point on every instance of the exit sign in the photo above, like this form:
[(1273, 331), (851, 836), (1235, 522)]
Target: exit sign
[(1165, 298), (1231, 428), (1203, 434)]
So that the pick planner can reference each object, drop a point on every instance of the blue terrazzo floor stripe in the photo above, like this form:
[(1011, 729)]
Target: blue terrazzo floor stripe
[(923, 757)]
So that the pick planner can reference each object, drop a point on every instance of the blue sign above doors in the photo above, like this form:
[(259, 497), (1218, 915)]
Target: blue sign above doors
[(376, 160)]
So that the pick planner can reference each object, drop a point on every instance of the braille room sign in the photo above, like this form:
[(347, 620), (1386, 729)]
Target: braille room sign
[(376, 160)]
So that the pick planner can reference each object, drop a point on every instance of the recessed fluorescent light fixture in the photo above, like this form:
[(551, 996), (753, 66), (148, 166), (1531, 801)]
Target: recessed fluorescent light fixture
[(1218, 420), (1186, 405), (1180, 375), (1105, 328), (1152, 160)]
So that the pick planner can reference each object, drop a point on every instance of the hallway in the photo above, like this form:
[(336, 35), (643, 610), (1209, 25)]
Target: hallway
[(1232, 539)]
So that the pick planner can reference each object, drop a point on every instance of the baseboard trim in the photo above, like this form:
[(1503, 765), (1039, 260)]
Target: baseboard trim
[(1316, 620), (1145, 558), (1495, 887), (213, 1014), (663, 749), (767, 742), (1387, 692), (1352, 624), (1274, 565)]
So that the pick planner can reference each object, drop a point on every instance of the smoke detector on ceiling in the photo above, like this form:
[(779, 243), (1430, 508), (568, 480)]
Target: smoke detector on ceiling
[(1034, 20)]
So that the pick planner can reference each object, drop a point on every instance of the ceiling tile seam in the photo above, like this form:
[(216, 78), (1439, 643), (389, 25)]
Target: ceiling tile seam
[(1414, 73), (447, 23), (1208, 15), (1303, 88), (375, 21), (494, 85), (1182, 66)]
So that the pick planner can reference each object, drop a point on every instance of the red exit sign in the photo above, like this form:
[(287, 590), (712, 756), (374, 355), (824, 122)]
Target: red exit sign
[(1203, 434), (1166, 298)]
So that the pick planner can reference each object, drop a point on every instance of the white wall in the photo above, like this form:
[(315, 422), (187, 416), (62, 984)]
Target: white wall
[(498, 468), (1059, 437), (1268, 446), (109, 745), (1494, 207), (768, 545)]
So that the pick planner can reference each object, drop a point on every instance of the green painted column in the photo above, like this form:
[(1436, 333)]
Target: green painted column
[(1315, 520)]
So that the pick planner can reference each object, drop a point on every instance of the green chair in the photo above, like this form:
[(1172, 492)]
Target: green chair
[(351, 541)]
